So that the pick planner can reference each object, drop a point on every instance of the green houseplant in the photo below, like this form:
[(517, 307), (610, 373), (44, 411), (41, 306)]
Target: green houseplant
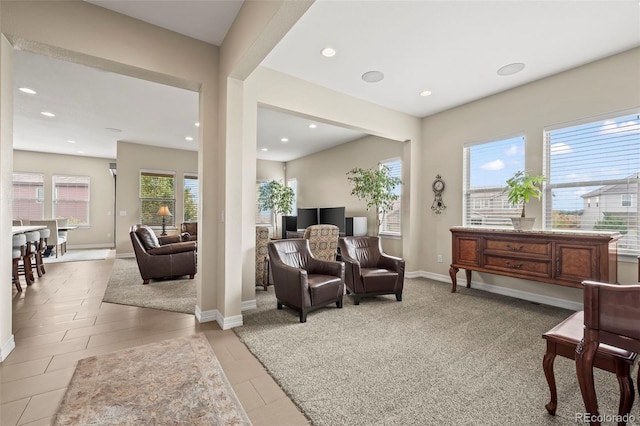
[(276, 197), (521, 187), (376, 187)]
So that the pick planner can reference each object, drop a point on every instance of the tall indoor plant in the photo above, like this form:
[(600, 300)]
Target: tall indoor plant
[(376, 187), (521, 187), (276, 197)]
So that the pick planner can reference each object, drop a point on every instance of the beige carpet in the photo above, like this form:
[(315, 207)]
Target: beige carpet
[(125, 287), (172, 382), (436, 358)]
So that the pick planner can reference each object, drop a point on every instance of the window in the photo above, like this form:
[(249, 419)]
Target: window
[(28, 196), (71, 199), (190, 198), (487, 166), (391, 221), (263, 217), (293, 184), (157, 189), (592, 173)]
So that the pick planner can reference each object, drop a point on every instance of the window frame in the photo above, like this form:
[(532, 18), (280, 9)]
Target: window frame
[(191, 176), (383, 226), (55, 199), (38, 199), (171, 202)]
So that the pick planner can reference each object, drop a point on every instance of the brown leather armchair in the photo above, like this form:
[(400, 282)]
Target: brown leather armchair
[(190, 228), (159, 260), (301, 281), (368, 270)]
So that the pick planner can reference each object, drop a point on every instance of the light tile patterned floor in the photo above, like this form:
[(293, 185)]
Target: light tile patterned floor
[(61, 319)]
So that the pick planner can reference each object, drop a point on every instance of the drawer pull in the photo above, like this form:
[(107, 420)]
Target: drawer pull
[(510, 247), (514, 265)]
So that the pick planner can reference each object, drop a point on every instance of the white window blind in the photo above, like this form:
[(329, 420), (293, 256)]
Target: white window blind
[(71, 198), (592, 170), (263, 217), (28, 196), (157, 189), (391, 221), (487, 166), (190, 197), (293, 184)]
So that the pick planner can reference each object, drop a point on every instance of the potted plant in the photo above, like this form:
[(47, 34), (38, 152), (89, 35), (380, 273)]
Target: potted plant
[(276, 197), (376, 187), (521, 187)]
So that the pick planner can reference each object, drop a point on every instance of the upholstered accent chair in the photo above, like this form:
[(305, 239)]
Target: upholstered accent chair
[(301, 281), (323, 240), (19, 249), (611, 317), (190, 228), (263, 236), (157, 260), (62, 234), (54, 239), (368, 270)]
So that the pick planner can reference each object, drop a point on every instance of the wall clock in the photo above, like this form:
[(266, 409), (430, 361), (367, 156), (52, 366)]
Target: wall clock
[(438, 188)]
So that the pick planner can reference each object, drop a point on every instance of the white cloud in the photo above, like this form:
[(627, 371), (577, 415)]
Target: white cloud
[(512, 150), (610, 126), (493, 165), (560, 148)]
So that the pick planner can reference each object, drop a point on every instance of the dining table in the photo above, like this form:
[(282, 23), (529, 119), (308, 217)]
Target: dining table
[(22, 229)]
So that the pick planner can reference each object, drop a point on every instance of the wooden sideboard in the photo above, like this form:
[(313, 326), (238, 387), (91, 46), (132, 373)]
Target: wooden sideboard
[(561, 258)]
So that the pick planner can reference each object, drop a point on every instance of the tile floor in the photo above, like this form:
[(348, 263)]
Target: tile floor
[(61, 319)]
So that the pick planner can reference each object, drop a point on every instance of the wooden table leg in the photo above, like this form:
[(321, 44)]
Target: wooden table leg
[(452, 273), (467, 272)]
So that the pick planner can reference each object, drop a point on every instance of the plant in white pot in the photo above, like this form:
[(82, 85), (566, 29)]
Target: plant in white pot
[(376, 187), (276, 197), (520, 189)]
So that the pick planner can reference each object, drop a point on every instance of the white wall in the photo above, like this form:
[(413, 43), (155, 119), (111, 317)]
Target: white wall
[(100, 232)]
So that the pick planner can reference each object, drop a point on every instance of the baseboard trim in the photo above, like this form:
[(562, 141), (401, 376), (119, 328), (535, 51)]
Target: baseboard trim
[(125, 256), (505, 291), (90, 246), (6, 348), (214, 315), (247, 305)]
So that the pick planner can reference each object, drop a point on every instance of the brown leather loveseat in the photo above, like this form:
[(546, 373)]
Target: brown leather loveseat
[(159, 260)]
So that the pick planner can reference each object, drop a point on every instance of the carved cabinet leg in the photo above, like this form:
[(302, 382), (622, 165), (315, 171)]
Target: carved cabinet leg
[(467, 273), (547, 365), (452, 273)]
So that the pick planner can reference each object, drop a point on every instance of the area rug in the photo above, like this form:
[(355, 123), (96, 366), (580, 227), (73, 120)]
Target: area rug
[(125, 288), (178, 381), (78, 256), (436, 358)]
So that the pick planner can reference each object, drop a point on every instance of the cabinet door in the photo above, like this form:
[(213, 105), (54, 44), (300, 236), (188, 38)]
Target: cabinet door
[(576, 262), (466, 250)]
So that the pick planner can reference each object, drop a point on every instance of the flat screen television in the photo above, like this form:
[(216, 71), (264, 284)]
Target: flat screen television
[(333, 216), (307, 217)]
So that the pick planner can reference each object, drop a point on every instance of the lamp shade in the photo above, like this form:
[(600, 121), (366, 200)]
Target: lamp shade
[(164, 211)]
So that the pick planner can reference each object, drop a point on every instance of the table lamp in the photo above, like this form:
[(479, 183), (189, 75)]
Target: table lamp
[(164, 212)]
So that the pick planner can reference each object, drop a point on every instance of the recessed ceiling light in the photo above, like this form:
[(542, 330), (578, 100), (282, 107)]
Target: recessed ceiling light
[(313, 126), (189, 138), (264, 149), (328, 52), (284, 140), (27, 90), (48, 114), (80, 152), (511, 69), (372, 76), (425, 93), (71, 141), (198, 124)]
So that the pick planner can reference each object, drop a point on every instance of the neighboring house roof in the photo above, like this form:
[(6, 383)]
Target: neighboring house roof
[(615, 189)]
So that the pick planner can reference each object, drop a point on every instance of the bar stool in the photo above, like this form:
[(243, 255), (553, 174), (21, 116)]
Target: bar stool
[(44, 235), (18, 252), (29, 260)]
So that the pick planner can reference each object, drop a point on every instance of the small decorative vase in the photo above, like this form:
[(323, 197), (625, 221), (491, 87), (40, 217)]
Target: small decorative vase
[(523, 223)]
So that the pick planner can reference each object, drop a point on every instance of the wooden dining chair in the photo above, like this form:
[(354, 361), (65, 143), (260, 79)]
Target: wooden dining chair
[(611, 317)]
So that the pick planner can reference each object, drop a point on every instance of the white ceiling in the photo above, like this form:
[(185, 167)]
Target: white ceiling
[(452, 48)]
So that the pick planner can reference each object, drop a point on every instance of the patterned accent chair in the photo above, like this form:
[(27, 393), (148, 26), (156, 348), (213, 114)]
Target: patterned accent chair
[(323, 241), (301, 281), (263, 236), (368, 270)]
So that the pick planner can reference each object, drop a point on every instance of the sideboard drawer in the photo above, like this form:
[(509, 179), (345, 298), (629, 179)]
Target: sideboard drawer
[(540, 268), (542, 248)]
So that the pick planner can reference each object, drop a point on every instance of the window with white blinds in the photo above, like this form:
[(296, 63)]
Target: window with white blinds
[(592, 172), (190, 197), (487, 166), (71, 198), (391, 221), (28, 196), (157, 189), (293, 184)]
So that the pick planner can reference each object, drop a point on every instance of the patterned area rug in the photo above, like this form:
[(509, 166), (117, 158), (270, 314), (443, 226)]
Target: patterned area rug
[(177, 381), (125, 288)]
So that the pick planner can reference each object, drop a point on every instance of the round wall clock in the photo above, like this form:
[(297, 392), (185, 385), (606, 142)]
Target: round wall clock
[(438, 187)]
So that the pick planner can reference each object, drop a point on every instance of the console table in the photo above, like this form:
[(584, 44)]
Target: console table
[(553, 257)]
